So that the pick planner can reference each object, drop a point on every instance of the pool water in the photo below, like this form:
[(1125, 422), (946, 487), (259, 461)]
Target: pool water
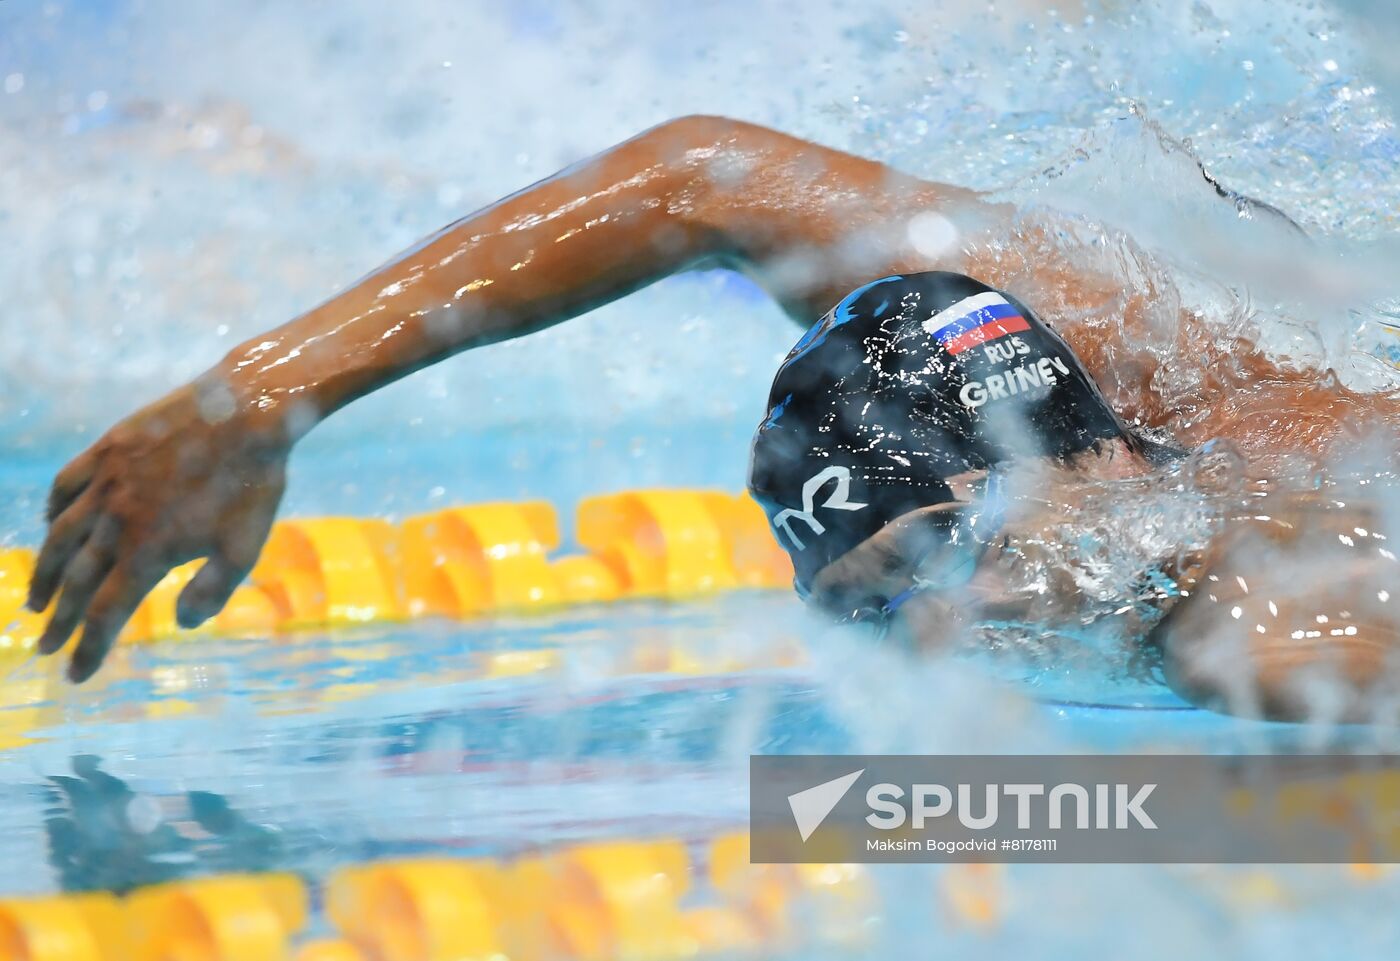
[(174, 195), (512, 736)]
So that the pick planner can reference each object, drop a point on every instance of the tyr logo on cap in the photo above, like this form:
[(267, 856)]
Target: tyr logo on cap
[(839, 500)]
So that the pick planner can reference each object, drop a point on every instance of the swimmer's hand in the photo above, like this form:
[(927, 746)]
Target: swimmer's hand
[(187, 477)]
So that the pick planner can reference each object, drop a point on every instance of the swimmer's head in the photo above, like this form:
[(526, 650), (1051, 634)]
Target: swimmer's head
[(908, 384)]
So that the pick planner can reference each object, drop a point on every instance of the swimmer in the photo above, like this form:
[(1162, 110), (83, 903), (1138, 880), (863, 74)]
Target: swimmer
[(893, 429)]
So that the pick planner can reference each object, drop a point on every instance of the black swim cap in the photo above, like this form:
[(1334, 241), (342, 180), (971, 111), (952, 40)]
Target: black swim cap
[(906, 382)]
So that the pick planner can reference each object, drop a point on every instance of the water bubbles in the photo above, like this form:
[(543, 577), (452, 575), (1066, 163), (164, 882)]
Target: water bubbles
[(84, 265), (216, 401), (301, 417), (205, 136), (144, 814), (1216, 467), (932, 234)]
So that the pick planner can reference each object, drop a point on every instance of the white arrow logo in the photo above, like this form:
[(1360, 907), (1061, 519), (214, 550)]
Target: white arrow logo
[(810, 807)]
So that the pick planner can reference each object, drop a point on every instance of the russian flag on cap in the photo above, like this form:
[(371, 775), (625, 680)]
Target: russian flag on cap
[(975, 320)]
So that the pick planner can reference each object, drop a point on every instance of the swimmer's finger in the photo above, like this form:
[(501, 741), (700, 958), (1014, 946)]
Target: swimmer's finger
[(66, 535), (230, 562), (80, 580), (71, 482), (209, 591), (116, 600)]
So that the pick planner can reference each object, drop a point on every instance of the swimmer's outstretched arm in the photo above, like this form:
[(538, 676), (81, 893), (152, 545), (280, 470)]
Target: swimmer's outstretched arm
[(200, 472)]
